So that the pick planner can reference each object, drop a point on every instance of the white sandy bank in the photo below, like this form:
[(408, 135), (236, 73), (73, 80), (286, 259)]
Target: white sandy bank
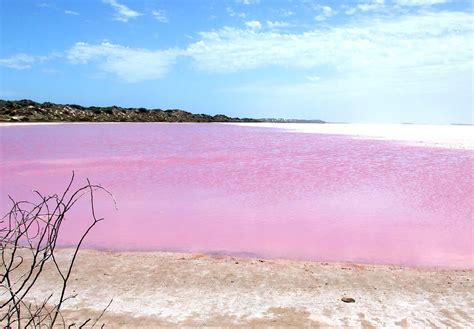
[(446, 136)]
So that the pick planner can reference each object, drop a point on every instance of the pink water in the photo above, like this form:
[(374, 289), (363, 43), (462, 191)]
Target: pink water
[(252, 191)]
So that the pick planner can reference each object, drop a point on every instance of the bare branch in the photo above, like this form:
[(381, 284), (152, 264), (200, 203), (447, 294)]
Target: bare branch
[(28, 236)]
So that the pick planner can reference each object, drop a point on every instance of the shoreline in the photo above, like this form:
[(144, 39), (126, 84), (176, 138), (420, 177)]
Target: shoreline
[(455, 137), (11, 124), (193, 289), (257, 257)]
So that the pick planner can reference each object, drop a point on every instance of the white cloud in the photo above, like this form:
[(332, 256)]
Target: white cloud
[(122, 12), (419, 2), (248, 2), (129, 64), (233, 13), (371, 5), (313, 78), (364, 6), (44, 5), (254, 25), (71, 12), (160, 16), (403, 48), (350, 11), (427, 43), (23, 61), (325, 12), (18, 61), (287, 13), (277, 24)]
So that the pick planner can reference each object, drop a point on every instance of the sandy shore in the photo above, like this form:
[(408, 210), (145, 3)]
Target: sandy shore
[(156, 289), (443, 136)]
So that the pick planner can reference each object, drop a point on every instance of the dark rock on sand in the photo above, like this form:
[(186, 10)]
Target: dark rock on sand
[(348, 300)]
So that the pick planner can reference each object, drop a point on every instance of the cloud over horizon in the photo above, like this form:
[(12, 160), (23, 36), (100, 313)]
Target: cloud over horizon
[(427, 43), (417, 43), (130, 65)]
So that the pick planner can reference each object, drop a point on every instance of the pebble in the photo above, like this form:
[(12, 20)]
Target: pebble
[(348, 300)]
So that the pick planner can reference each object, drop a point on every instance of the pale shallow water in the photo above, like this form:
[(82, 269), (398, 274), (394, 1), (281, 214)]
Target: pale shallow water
[(251, 190)]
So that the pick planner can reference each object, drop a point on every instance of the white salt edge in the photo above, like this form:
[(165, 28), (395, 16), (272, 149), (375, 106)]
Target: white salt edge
[(443, 136)]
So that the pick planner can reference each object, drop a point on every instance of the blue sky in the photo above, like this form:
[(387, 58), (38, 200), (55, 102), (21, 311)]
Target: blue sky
[(351, 61)]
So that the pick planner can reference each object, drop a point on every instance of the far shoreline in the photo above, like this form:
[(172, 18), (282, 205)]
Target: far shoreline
[(456, 137)]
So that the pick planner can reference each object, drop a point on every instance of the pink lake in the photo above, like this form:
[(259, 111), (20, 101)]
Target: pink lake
[(265, 192)]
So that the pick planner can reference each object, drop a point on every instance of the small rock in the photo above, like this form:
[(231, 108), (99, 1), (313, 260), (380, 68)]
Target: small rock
[(348, 300)]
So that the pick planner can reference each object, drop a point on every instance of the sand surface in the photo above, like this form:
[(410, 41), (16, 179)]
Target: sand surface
[(156, 289)]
